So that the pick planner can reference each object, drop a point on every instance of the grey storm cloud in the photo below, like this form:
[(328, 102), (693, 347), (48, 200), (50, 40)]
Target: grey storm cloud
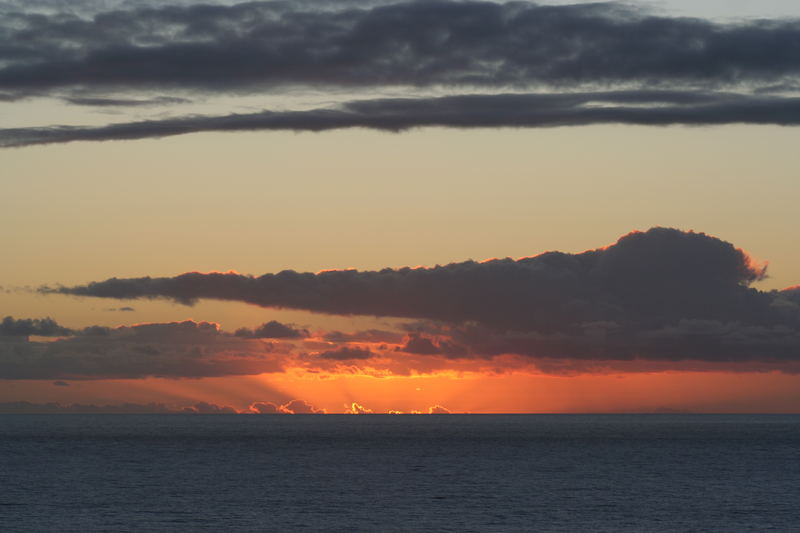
[(643, 108), (172, 350), (662, 295), (252, 45)]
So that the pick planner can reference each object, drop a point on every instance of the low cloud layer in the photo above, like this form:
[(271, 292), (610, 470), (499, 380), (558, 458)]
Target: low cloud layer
[(663, 295), (293, 407), (202, 408), (123, 408), (173, 350)]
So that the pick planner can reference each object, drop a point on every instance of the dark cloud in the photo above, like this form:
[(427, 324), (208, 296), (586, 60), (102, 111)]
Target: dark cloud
[(265, 408), (423, 345), (347, 353), (124, 102), (272, 330), (685, 340), (658, 275), (267, 44), (23, 327), (60, 384), (600, 63), (660, 295), (172, 350), (645, 108)]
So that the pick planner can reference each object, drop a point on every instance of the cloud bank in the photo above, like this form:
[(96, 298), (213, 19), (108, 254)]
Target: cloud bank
[(459, 64), (258, 45), (663, 295)]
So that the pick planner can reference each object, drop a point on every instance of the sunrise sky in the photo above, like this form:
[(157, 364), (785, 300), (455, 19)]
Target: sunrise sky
[(348, 206)]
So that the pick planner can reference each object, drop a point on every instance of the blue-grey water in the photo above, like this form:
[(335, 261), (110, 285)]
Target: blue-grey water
[(493, 473)]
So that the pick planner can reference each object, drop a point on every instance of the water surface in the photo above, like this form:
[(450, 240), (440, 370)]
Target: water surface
[(459, 473)]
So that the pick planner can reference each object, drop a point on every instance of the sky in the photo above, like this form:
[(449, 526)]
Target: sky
[(290, 207)]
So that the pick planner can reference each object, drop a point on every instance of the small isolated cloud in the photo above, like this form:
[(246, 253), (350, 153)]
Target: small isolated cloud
[(60, 384), (124, 102), (294, 407), (300, 407), (273, 330), (438, 410), (357, 409), (205, 408)]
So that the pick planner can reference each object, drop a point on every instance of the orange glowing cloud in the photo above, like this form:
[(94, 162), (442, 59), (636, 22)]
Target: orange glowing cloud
[(357, 409)]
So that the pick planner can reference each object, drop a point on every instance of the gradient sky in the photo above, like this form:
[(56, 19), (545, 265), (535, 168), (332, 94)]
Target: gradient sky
[(413, 167)]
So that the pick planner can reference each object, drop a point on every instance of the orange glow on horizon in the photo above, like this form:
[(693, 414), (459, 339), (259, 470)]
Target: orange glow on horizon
[(510, 393)]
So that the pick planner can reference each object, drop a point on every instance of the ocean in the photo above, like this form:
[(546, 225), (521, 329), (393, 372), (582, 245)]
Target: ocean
[(389, 473)]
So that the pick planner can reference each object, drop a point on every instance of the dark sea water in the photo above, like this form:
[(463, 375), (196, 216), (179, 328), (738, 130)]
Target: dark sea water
[(491, 473)]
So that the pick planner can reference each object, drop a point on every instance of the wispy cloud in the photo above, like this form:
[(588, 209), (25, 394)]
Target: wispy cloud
[(644, 108)]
